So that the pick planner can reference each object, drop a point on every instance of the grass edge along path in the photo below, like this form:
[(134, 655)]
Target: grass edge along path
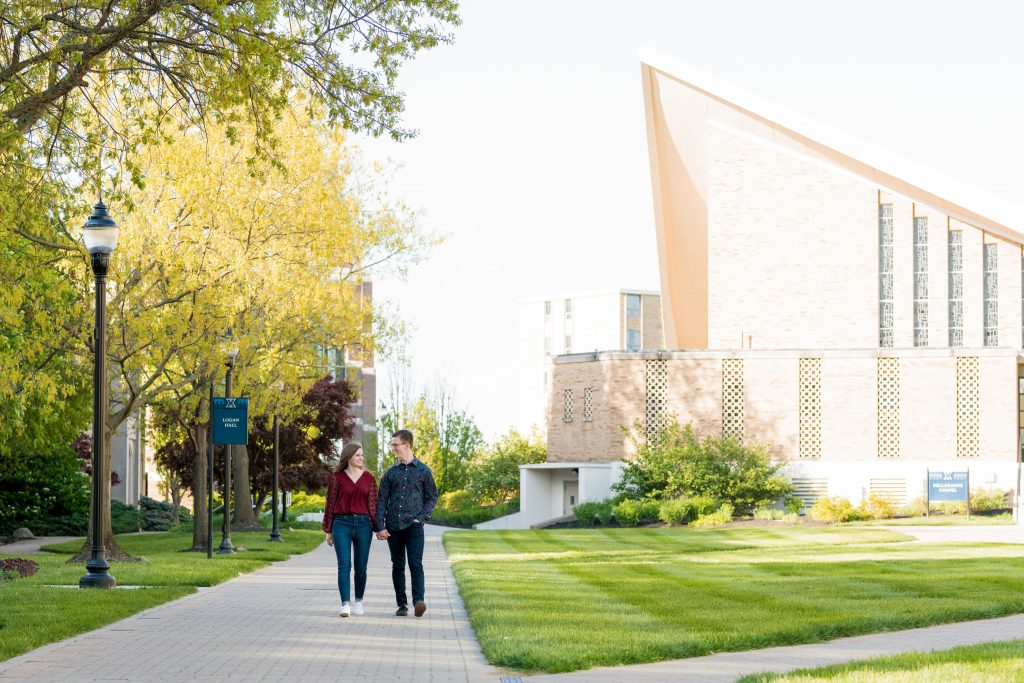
[(43, 609), (997, 661), (565, 600)]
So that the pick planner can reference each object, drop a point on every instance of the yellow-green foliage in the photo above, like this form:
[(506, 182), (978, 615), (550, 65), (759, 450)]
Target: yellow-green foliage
[(832, 510), (719, 518), (984, 500), (876, 507), (454, 501), (307, 502)]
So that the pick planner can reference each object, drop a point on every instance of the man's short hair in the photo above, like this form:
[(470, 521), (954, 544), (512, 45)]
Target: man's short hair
[(403, 435)]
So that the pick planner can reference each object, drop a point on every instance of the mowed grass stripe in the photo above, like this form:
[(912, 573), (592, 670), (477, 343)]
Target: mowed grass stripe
[(547, 611)]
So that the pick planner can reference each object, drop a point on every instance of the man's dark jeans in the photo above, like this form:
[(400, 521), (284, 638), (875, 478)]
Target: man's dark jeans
[(407, 542)]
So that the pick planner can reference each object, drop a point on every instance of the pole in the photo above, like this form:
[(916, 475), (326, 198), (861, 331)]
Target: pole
[(98, 575), (968, 493), (927, 492), (226, 548), (209, 480), (275, 533)]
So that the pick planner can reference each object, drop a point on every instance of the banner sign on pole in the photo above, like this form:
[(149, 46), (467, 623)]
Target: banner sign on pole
[(231, 421), (948, 486)]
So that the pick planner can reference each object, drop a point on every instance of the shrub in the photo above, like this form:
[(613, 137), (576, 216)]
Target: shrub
[(721, 517), (303, 502), (917, 507), (43, 491), (634, 512), (473, 514), (983, 500), (876, 507), (675, 462), (454, 501), (594, 513), (769, 514), (791, 518), (18, 567), (159, 516), (952, 508), (794, 505), (124, 519), (832, 510), (677, 511)]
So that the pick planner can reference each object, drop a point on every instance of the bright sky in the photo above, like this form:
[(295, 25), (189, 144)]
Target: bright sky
[(532, 156)]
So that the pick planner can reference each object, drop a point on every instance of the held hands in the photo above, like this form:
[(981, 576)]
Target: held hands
[(383, 535)]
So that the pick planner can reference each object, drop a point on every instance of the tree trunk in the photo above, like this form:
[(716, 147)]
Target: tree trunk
[(199, 511), (261, 498), (113, 551), (175, 486), (243, 518)]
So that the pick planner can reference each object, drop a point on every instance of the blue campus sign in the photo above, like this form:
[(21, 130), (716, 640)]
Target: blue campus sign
[(231, 421), (948, 486)]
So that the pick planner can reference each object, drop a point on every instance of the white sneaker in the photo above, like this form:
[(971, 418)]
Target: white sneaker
[(346, 610), (357, 609)]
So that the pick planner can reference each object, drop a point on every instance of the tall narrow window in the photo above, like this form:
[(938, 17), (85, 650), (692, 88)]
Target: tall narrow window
[(921, 281), (956, 288), (567, 406), (885, 269), (991, 312), (632, 305), (632, 340), (568, 326)]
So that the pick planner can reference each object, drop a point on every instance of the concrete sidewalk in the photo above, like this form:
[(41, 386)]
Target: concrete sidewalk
[(280, 623)]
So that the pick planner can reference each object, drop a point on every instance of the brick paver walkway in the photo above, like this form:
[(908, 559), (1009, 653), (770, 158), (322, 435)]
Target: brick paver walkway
[(280, 623)]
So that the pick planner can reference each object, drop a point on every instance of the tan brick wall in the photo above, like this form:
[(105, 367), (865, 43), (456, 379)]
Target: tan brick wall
[(793, 251), (653, 333), (928, 412)]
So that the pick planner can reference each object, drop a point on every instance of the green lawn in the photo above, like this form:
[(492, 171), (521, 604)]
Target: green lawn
[(37, 610), (561, 600), (986, 663), (940, 520)]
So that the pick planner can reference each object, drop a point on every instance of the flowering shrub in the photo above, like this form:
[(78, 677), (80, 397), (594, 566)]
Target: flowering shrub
[(15, 566)]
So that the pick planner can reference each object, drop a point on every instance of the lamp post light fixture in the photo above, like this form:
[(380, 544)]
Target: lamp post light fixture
[(275, 533), (100, 237), (226, 548)]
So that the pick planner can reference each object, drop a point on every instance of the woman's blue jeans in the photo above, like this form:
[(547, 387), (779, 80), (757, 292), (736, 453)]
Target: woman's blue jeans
[(348, 532)]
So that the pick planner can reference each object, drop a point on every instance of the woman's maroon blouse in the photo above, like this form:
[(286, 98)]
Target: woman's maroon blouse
[(347, 497)]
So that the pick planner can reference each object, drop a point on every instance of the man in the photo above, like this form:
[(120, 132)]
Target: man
[(407, 497)]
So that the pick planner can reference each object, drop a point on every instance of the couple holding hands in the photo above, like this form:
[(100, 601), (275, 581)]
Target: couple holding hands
[(356, 510)]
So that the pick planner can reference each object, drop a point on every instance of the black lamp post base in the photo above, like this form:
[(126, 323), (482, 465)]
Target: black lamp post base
[(98, 577), (226, 548), (275, 536)]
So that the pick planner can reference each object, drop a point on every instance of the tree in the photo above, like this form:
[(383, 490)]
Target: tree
[(679, 463), (494, 476), (445, 438), (258, 248)]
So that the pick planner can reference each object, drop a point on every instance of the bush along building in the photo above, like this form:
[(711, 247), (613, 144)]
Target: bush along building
[(860, 315)]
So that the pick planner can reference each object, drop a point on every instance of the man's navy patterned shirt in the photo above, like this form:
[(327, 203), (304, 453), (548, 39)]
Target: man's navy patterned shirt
[(407, 493)]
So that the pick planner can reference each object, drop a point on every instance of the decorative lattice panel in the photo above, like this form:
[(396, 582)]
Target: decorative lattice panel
[(732, 397), (568, 406), (588, 405), (657, 397), (888, 407), (967, 408), (810, 407)]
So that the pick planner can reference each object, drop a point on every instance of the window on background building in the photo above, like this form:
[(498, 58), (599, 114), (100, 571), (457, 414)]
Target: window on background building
[(956, 288), (547, 345), (567, 406), (547, 308), (588, 404), (632, 305), (921, 281), (568, 309), (885, 276), (568, 343), (632, 340), (991, 291)]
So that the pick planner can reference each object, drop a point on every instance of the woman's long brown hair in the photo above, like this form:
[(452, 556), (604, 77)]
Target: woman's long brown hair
[(346, 454)]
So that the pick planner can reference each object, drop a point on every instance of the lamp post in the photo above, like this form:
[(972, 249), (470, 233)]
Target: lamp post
[(275, 533), (226, 548), (100, 236)]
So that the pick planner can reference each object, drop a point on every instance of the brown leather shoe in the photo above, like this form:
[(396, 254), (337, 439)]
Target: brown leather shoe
[(419, 608)]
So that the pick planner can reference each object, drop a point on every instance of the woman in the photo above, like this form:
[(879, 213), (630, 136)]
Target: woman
[(350, 520)]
